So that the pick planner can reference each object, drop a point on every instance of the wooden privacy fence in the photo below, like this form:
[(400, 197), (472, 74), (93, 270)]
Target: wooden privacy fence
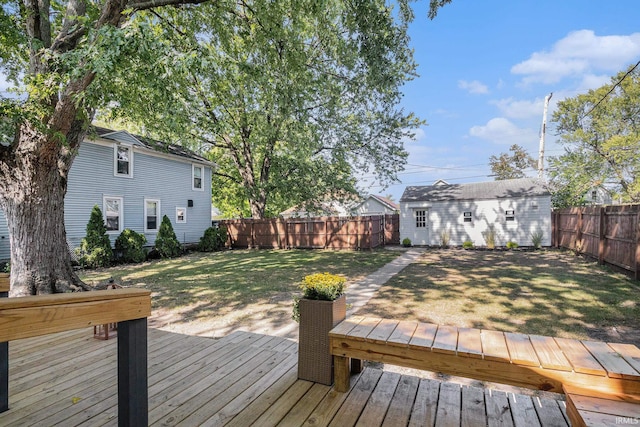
[(362, 232), (609, 233)]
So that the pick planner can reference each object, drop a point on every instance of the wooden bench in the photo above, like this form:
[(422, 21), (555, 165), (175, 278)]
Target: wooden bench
[(27, 317), (585, 368)]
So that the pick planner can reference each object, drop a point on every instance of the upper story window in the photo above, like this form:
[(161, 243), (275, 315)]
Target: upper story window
[(197, 177), (467, 217), (421, 219), (123, 161), (113, 213), (151, 215), (594, 195)]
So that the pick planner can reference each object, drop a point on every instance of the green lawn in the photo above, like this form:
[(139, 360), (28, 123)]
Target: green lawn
[(237, 283), (544, 292)]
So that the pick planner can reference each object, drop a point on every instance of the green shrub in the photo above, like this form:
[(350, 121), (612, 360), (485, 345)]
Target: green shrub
[(130, 246), (167, 243), (7, 267), (511, 245), (406, 242), (490, 237), (95, 247), (467, 244), (319, 286), (213, 239), (445, 238), (536, 239)]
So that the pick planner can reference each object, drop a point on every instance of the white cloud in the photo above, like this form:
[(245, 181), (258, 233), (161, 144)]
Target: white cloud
[(580, 52), (519, 109), (474, 86), (419, 136), (503, 132)]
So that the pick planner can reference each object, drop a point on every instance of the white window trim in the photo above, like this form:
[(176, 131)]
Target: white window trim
[(115, 160), (184, 221), (158, 214), (193, 175), (120, 216)]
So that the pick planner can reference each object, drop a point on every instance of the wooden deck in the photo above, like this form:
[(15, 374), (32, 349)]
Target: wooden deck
[(242, 379)]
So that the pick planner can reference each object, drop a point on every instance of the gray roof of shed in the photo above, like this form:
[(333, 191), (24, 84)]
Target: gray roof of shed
[(509, 188)]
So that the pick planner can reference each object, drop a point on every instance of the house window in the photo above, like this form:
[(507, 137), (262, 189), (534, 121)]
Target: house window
[(151, 215), (421, 219), (467, 217), (123, 161), (197, 177), (510, 215), (534, 206), (181, 215), (113, 217), (594, 195)]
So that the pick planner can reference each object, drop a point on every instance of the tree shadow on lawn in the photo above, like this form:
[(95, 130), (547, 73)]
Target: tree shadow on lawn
[(544, 292), (242, 289)]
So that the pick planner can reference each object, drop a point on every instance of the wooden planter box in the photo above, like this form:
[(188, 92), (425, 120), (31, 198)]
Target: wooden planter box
[(317, 318)]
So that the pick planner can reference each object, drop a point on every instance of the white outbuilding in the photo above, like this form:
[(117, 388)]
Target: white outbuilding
[(515, 209)]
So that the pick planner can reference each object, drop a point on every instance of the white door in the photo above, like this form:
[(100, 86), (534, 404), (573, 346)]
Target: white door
[(421, 227)]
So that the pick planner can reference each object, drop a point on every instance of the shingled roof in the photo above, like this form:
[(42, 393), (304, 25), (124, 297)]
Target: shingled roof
[(510, 188), (151, 144)]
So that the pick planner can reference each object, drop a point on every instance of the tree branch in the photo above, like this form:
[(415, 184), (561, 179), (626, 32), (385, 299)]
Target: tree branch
[(151, 4)]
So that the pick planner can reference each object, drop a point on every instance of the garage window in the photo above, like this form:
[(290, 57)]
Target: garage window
[(421, 219)]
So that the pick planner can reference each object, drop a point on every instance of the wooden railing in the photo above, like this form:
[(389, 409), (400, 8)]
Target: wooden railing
[(33, 316)]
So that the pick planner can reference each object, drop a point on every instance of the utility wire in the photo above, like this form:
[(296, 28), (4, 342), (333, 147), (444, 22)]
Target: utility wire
[(611, 90)]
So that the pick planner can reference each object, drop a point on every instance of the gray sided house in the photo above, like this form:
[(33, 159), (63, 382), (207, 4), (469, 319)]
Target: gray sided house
[(134, 181), (376, 205), (516, 208)]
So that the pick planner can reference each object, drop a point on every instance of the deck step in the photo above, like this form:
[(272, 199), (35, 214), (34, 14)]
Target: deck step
[(587, 411)]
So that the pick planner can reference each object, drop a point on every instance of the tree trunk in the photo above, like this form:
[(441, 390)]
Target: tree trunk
[(33, 202)]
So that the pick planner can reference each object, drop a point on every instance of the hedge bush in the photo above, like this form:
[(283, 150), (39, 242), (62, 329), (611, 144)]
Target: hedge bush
[(95, 247), (213, 239), (167, 243), (130, 246)]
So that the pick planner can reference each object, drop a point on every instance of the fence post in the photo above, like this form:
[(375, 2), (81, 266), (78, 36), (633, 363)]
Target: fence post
[(601, 235), (326, 232), (554, 228), (578, 243)]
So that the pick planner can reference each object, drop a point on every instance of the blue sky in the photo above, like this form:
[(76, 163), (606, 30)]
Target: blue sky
[(485, 68)]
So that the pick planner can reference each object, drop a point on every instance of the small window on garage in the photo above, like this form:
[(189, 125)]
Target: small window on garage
[(421, 219), (467, 216), (534, 206), (510, 215)]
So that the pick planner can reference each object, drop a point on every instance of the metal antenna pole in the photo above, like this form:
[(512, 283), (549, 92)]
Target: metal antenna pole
[(542, 134)]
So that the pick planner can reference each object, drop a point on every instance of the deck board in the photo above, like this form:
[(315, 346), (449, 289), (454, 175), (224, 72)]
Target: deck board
[(474, 413), (400, 407), (374, 412), (239, 380), (426, 403), (498, 413)]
